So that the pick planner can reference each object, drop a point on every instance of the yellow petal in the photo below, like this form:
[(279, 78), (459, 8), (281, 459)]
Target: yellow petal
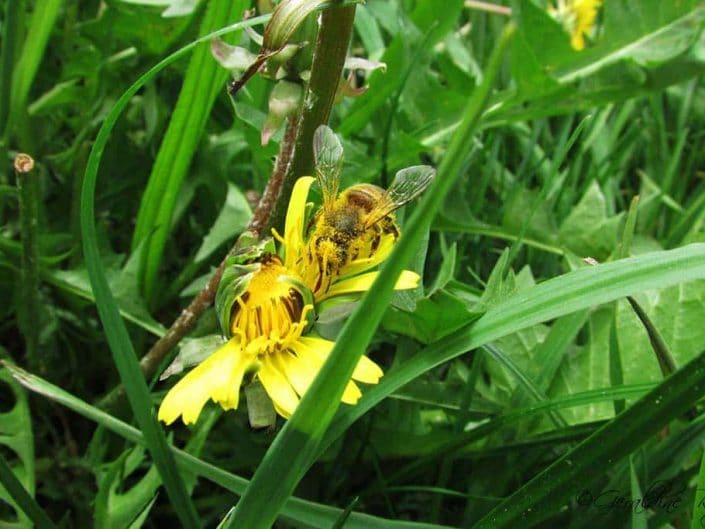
[(351, 394), (312, 352), (299, 371), (315, 351), (294, 224), (278, 388), (363, 282), (407, 279), (367, 371), (218, 377)]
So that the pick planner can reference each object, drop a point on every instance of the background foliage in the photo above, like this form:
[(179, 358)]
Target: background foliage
[(515, 360)]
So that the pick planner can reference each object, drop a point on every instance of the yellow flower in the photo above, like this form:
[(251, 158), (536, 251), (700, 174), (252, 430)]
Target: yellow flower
[(310, 260), (578, 17), (267, 326)]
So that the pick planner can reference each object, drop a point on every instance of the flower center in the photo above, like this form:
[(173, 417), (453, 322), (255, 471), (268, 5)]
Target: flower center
[(271, 313)]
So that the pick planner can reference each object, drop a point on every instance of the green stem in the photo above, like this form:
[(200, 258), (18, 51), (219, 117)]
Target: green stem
[(326, 70), (27, 184)]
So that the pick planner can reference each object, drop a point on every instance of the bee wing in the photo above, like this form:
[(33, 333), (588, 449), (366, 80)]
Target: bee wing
[(406, 186), (328, 156)]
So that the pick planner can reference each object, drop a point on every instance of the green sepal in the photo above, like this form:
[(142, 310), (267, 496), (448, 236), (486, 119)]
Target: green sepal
[(239, 270), (260, 410)]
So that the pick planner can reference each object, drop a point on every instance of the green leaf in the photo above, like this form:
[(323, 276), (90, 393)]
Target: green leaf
[(426, 19), (588, 231), (193, 351), (174, 8), (121, 510), (16, 435), (432, 318), (122, 282), (42, 22), (577, 290), (588, 368), (11, 487), (677, 314), (231, 220)]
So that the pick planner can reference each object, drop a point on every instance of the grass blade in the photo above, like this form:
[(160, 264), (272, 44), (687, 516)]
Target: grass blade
[(287, 459), (41, 24), (126, 360), (10, 35), (24, 501)]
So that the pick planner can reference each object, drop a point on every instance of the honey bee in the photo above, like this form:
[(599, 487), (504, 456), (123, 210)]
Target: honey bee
[(355, 224)]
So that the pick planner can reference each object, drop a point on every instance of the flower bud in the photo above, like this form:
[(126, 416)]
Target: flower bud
[(286, 19)]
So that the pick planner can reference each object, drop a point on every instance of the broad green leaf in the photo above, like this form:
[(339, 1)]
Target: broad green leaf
[(542, 224), (432, 318), (589, 231), (231, 220), (121, 509), (588, 368), (193, 351), (518, 348), (131, 306), (17, 438), (677, 314)]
